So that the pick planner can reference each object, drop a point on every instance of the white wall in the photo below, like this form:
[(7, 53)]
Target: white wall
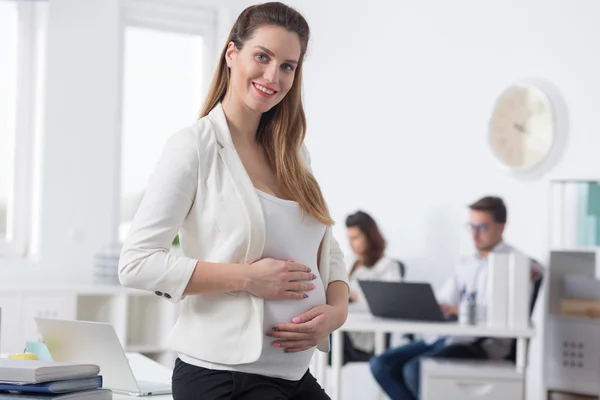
[(398, 95)]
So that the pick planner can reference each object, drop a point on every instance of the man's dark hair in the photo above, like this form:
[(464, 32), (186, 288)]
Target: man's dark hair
[(493, 205)]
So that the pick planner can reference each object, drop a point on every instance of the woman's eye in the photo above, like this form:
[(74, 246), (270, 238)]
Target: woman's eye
[(287, 67), (261, 57)]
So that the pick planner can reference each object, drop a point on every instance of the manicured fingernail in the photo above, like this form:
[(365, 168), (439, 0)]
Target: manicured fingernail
[(274, 328), (314, 276), (309, 270), (305, 295), (314, 286), (290, 260), (297, 319), (276, 345)]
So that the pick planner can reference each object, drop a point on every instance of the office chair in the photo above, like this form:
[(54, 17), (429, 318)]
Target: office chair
[(402, 268), (512, 355)]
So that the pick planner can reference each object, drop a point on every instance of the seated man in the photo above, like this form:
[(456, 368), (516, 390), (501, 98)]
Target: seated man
[(397, 370)]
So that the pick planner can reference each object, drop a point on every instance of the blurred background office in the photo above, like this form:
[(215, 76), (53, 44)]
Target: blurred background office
[(399, 99)]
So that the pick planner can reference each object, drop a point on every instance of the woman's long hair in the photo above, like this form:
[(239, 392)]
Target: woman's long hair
[(282, 129), (375, 241)]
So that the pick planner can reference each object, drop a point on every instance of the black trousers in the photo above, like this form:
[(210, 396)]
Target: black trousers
[(196, 383)]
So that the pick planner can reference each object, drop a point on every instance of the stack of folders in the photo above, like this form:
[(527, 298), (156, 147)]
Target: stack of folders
[(49, 380)]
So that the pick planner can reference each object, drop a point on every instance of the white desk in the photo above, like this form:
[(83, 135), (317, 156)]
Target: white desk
[(365, 322)]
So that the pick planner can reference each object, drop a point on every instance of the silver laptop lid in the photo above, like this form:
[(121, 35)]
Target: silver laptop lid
[(402, 300), (90, 342)]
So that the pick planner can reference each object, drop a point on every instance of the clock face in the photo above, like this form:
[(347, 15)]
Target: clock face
[(522, 129)]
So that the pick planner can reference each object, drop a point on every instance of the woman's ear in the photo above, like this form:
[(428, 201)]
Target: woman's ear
[(230, 54)]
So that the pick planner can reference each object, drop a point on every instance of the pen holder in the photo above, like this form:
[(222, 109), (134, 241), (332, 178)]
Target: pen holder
[(467, 313)]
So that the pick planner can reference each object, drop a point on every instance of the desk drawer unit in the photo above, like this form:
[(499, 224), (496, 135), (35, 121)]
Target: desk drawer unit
[(466, 380), (465, 389)]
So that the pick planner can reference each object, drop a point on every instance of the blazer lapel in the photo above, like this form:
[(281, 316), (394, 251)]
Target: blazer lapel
[(243, 185)]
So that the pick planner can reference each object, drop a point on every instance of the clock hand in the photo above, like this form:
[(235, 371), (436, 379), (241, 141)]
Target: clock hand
[(519, 127)]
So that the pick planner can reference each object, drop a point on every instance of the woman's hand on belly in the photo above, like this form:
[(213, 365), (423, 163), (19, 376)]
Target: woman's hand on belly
[(307, 329), (276, 279)]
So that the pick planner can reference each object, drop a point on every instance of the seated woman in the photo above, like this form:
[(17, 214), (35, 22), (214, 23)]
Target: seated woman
[(368, 246)]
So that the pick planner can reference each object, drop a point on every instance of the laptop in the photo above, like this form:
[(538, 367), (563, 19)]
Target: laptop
[(96, 343), (403, 300)]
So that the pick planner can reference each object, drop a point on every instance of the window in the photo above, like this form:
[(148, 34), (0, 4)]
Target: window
[(8, 95), (22, 32), (165, 75)]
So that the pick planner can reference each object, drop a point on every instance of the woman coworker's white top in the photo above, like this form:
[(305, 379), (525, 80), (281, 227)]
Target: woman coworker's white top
[(201, 189), (385, 269), (291, 234)]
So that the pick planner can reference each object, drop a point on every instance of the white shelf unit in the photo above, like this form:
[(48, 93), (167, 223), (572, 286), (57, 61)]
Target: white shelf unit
[(141, 319), (572, 344)]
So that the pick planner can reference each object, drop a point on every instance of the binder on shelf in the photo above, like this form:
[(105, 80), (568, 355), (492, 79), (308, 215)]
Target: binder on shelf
[(519, 289), (497, 290)]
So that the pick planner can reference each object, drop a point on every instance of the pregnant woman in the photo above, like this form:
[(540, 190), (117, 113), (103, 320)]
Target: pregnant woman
[(262, 280)]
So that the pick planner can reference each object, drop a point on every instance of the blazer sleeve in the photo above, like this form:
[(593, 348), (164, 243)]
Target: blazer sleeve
[(146, 261), (337, 267)]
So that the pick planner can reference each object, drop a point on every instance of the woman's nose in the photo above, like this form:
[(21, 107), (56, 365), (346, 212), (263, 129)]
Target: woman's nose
[(272, 73)]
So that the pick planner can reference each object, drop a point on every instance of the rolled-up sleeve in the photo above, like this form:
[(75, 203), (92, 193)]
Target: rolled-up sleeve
[(337, 267), (146, 261)]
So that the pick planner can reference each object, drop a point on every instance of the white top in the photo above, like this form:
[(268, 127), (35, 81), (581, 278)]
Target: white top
[(201, 190), (385, 269), (291, 234), (471, 274)]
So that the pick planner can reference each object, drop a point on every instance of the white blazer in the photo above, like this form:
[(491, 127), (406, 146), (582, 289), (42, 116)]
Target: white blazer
[(200, 189)]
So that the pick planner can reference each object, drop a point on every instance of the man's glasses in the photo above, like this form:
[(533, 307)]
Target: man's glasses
[(481, 228)]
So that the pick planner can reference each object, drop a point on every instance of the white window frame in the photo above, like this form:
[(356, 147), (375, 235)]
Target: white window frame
[(175, 16), (28, 126)]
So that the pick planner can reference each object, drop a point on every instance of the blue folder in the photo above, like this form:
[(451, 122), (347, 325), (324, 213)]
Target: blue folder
[(66, 386)]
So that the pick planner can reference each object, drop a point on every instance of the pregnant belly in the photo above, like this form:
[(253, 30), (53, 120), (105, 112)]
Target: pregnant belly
[(283, 311), (273, 361)]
